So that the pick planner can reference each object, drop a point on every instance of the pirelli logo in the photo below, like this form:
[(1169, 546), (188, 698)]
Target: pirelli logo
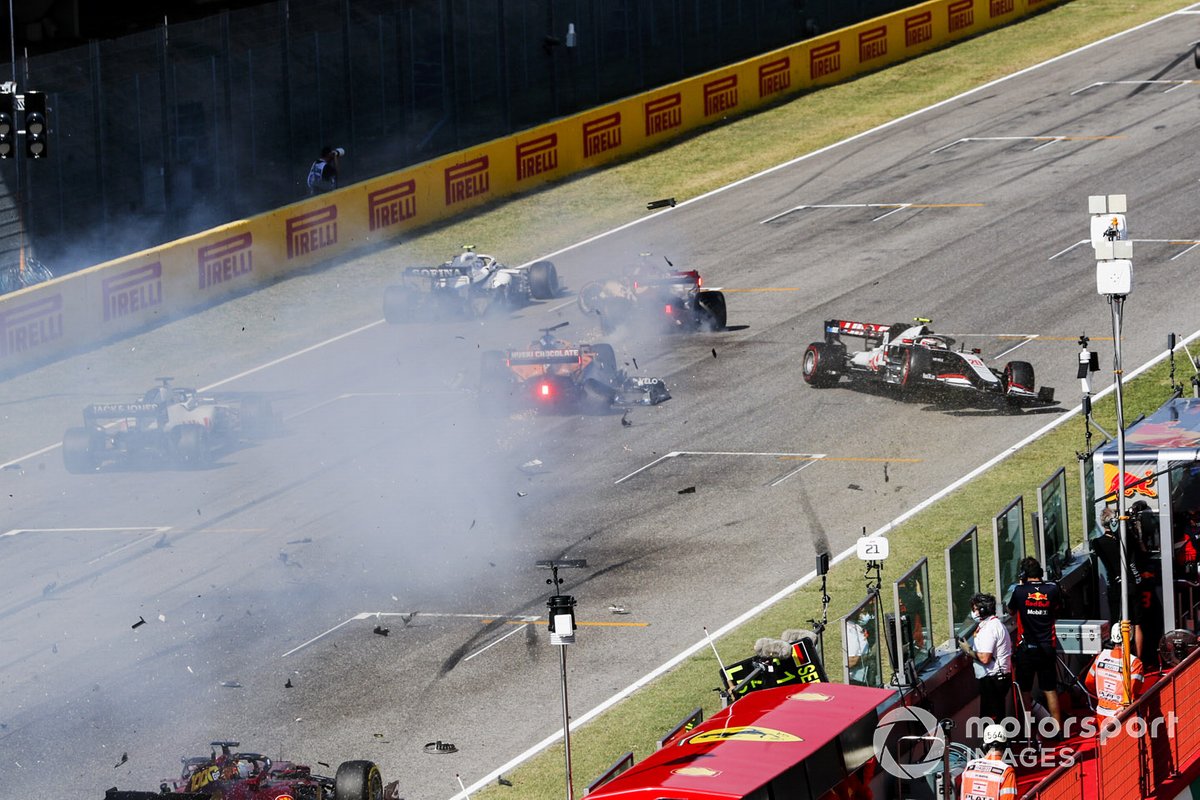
[(720, 95), (601, 134), (998, 8), (391, 205), (537, 156), (918, 28), (29, 325), (468, 179), (872, 44), (825, 60), (225, 260), (961, 14), (132, 290), (774, 76), (664, 113), (310, 232)]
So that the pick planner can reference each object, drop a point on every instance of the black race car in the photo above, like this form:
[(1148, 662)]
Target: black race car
[(914, 358)]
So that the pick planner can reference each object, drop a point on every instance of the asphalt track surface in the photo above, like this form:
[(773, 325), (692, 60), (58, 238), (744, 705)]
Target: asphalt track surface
[(389, 493)]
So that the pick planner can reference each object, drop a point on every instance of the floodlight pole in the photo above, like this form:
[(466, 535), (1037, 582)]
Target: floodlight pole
[(562, 633), (1114, 279)]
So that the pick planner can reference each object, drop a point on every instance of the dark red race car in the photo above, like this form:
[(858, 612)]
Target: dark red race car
[(232, 775)]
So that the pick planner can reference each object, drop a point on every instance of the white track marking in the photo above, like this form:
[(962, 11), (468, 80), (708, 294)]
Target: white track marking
[(805, 465), (1028, 338), (516, 630), (151, 528), (410, 615), (677, 453), (1173, 84)]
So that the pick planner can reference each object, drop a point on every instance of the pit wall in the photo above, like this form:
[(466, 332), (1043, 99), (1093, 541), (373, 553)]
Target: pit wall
[(113, 299)]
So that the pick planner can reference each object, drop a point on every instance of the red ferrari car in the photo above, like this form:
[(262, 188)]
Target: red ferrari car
[(232, 775)]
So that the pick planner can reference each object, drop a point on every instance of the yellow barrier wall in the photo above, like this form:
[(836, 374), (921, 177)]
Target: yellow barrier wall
[(117, 297)]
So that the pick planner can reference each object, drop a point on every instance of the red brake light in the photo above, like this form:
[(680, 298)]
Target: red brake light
[(544, 390), (667, 309)]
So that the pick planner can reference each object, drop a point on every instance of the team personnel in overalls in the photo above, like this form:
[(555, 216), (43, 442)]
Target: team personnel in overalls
[(988, 777), (1106, 682)]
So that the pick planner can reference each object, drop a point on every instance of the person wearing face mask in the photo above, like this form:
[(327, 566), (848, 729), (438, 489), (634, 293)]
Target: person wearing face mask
[(990, 651)]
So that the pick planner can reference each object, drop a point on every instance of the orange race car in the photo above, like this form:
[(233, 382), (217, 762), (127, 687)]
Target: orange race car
[(559, 375)]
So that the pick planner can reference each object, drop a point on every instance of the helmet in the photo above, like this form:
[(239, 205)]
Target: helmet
[(993, 734), (245, 769), (1115, 635)]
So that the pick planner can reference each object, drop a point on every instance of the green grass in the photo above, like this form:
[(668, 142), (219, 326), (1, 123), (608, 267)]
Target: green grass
[(596, 202)]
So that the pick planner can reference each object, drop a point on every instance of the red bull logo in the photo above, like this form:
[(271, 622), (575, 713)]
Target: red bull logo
[(29, 325), (132, 290), (310, 232), (872, 44), (720, 95), (467, 180), (1134, 485), (998, 8), (664, 113), (391, 205), (775, 76), (225, 260), (918, 28), (537, 156), (961, 14), (825, 60), (601, 134)]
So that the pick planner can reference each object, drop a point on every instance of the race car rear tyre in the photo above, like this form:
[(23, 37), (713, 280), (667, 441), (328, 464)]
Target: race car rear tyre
[(191, 447), (543, 280), (398, 304), (590, 297), (820, 365), (598, 396), (606, 358), (916, 363), (1018, 373), (79, 455), (712, 310), (358, 780)]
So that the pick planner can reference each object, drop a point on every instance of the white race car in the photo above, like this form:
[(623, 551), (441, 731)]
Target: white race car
[(914, 358), (469, 285)]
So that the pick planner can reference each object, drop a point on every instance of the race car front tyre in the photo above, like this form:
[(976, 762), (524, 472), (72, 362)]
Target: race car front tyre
[(916, 363), (820, 365), (397, 304), (712, 310), (543, 280), (358, 780), (1018, 374), (79, 452), (191, 447)]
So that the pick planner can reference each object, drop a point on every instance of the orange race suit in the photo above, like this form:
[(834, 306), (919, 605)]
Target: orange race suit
[(1105, 682)]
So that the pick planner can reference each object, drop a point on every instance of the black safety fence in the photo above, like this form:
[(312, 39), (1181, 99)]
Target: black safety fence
[(168, 132)]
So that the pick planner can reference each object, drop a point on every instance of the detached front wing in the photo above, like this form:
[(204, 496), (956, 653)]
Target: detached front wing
[(641, 392)]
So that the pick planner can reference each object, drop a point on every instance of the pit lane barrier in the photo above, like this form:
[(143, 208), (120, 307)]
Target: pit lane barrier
[(116, 298)]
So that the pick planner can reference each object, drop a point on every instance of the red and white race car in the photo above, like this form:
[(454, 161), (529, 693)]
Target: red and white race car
[(671, 299), (914, 358)]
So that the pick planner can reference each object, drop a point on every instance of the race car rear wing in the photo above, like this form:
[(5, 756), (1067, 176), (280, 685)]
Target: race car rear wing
[(120, 410), (836, 328), (528, 357)]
